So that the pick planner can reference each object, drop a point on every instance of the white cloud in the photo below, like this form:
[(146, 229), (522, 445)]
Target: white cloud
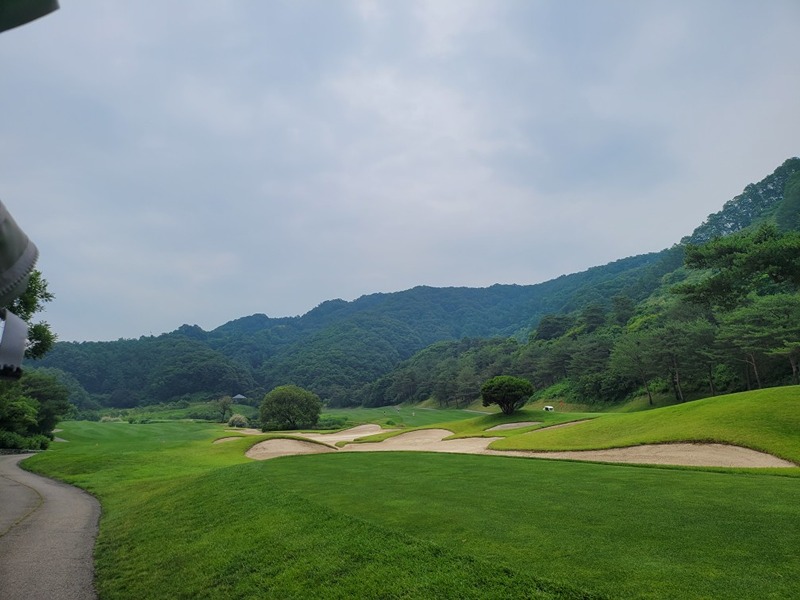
[(231, 158)]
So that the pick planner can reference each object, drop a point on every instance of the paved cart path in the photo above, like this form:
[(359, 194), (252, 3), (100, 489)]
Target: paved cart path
[(47, 534)]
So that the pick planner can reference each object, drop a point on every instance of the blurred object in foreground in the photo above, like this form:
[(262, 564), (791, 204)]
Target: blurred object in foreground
[(14, 13)]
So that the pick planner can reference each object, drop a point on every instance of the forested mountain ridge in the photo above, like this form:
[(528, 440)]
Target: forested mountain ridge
[(344, 350), (338, 347), (757, 202), (726, 320)]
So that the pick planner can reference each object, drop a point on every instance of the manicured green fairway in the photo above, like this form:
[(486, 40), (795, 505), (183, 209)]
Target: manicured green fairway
[(185, 518), (627, 532)]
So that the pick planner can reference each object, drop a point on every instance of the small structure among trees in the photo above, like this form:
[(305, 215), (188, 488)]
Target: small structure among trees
[(509, 393)]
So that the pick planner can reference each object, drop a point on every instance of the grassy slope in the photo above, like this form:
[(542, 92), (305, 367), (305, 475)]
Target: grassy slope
[(766, 420), (183, 518)]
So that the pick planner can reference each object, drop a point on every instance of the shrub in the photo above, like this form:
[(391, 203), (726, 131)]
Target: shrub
[(289, 407), (508, 392), (86, 415), (11, 440), (331, 423), (237, 420)]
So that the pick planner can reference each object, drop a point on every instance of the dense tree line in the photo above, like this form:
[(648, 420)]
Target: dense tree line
[(31, 406), (758, 202), (732, 323), (29, 410), (149, 370), (338, 350), (678, 339)]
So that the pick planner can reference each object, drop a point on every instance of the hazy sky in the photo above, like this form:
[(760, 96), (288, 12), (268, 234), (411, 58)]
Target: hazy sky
[(195, 161)]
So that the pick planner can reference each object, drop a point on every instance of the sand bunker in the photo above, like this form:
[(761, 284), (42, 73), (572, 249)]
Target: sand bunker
[(228, 439), (693, 455), (285, 447), (426, 440), (518, 425), (432, 440), (348, 435)]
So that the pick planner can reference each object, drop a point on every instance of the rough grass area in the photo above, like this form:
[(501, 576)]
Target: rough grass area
[(396, 416)]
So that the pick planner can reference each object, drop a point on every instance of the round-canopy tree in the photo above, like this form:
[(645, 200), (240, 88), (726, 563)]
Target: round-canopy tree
[(509, 393), (289, 407)]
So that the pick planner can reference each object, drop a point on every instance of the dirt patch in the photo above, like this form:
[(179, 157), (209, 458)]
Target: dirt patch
[(505, 426)]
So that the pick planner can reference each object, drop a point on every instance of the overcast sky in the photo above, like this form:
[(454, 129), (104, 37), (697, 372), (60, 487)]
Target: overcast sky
[(196, 161)]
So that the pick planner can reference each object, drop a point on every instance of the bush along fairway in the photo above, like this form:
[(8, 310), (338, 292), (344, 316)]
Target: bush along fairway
[(186, 518)]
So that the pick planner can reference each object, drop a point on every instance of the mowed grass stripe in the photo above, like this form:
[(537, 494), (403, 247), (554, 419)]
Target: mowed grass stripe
[(628, 532), (231, 534)]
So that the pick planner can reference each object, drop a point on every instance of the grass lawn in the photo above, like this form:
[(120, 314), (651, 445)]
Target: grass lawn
[(185, 518), (622, 531)]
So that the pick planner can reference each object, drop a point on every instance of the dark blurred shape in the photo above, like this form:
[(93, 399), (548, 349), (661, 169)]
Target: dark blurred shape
[(14, 13), (12, 346), (18, 256), (17, 253)]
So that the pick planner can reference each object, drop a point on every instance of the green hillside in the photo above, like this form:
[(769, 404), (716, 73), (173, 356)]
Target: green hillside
[(572, 336), (339, 347)]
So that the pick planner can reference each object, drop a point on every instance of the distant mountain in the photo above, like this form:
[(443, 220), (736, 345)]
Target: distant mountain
[(339, 348)]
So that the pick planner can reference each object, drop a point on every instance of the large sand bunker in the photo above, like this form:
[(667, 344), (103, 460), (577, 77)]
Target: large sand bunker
[(285, 447), (693, 455), (348, 435), (426, 440), (432, 440)]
